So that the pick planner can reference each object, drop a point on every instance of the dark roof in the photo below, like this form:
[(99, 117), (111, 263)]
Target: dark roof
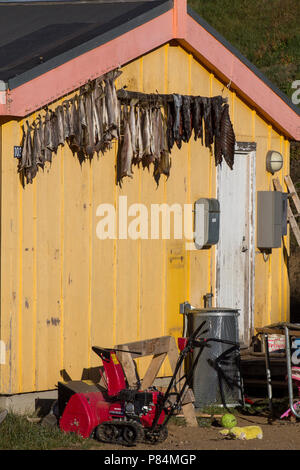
[(37, 37), (243, 59)]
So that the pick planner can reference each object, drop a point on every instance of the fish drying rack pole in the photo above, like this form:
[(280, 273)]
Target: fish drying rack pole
[(150, 98)]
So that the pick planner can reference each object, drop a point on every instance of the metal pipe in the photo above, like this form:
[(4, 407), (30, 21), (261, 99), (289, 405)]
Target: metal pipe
[(289, 372), (268, 374)]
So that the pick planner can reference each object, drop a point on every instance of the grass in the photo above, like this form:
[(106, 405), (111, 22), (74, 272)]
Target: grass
[(266, 32), (17, 433)]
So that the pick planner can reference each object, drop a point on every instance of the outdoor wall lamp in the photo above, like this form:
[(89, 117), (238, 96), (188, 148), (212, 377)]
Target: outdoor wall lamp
[(274, 161)]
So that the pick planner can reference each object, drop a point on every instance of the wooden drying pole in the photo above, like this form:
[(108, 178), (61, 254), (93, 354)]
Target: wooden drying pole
[(160, 348), (153, 98)]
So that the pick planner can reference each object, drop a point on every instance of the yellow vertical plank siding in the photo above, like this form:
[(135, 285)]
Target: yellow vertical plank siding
[(10, 268), (177, 188), (64, 290), (152, 252), (46, 281)]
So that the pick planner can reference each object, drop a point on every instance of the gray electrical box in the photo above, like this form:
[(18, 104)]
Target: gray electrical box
[(271, 218), (206, 222)]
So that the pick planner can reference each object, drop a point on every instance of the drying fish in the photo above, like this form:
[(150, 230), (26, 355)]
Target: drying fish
[(96, 120), (126, 152), (41, 161), (22, 161), (162, 167), (154, 145), (30, 168), (177, 126), (91, 140), (170, 124), (110, 106), (139, 139), (207, 116), (60, 125), (74, 142), (82, 123), (54, 130), (37, 149), (132, 125), (146, 136), (197, 116), (227, 137), (216, 118), (186, 118), (117, 113), (47, 140), (67, 119)]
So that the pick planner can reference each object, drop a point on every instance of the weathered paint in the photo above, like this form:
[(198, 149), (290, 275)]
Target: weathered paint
[(64, 290)]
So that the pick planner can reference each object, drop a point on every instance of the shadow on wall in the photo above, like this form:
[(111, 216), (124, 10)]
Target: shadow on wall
[(295, 310)]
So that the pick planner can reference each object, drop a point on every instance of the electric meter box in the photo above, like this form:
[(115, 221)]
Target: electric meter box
[(206, 222), (271, 218)]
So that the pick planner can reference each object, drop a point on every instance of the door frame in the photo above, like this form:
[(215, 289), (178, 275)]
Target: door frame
[(247, 149)]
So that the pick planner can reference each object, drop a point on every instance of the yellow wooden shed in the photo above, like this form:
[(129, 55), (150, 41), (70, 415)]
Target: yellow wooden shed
[(62, 288)]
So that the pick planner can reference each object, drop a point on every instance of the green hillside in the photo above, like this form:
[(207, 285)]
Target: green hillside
[(267, 32)]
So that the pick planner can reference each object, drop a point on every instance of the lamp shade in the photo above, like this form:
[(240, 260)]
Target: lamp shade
[(274, 161)]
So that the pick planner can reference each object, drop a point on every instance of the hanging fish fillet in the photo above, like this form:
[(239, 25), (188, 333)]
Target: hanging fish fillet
[(139, 138), (91, 140), (48, 138), (216, 118), (37, 148), (54, 130), (186, 118), (162, 167), (207, 116), (67, 119), (22, 161), (96, 121), (82, 124), (132, 125), (30, 168), (197, 117), (125, 155), (170, 124), (74, 142), (110, 106), (227, 137), (177, 126), (60, 124), (146, 136), (41, 160), (116, 103), (154, 144)]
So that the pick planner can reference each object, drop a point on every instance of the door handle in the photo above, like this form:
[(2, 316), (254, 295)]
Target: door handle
[(244, 247)]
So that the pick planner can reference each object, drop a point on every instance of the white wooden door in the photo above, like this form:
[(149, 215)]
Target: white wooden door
[(235, 250)]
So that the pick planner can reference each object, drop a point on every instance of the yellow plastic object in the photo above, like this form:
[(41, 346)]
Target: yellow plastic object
[(243, 433)]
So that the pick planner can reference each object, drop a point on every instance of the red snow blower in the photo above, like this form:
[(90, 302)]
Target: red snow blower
[(119, 414)]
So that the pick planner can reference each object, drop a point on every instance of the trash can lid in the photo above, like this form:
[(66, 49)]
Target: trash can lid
[(214, 311)]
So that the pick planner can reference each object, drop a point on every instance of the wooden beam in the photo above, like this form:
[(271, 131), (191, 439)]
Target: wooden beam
[(290, 216), (293, 192), (147, 347), (153, 370), (128, 365)]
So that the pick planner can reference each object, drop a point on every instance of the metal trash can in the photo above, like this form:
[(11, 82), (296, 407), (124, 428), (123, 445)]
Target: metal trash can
[(222, 323)]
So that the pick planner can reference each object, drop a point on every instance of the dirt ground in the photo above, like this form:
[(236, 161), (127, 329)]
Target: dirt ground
[(279, 435)]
